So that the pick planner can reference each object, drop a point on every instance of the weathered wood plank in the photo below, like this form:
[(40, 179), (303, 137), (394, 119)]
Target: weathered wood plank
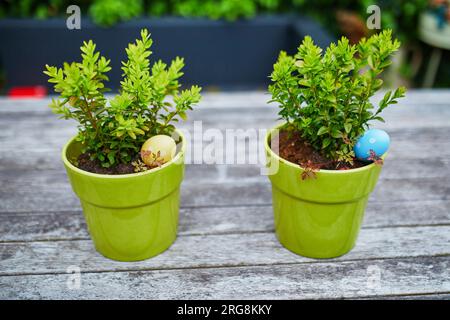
[(416, 103), (226, 110), (57, 195), (217, 250), (422, 275), (418, 164), (31, 226), (398, 117), (57, 132), (432, 296), (408, 147), (12, 176), (243, 99)]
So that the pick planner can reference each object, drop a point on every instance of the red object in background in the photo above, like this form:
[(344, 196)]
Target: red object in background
[(27, 92)]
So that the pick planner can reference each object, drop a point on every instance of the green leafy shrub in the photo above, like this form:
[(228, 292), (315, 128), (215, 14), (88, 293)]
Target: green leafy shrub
[(325, 95), (227, 9), (399, 15), (402, 16), (213, 9), (110, 12), (113, 132)]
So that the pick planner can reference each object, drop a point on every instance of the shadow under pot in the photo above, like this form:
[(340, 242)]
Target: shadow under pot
[(321, 217), (130, 217)]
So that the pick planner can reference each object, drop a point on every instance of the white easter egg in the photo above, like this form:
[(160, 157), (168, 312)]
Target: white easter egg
[(160, 147)]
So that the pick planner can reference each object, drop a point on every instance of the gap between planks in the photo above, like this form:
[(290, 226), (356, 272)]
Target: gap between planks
[(213, 251), (225, 193), (224, 266), (223, 233), (30, 226), (409, 276)]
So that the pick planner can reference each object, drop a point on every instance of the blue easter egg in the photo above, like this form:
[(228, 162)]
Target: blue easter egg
[(373, 139)]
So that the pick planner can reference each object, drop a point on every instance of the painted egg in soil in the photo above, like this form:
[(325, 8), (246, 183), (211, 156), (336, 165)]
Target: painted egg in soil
[(160, 147), (373, 139)]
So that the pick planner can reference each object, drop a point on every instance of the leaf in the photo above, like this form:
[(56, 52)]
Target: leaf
[(348, 127), (183, 116), (379, 119), (331, 98), (377, 83), (111, 157), (305, 83), (336, 133), (387, 96), (370, 62), (322, 131), (139, 131), (326, 142)]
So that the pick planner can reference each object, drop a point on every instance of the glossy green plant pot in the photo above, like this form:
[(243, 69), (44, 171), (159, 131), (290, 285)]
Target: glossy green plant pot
[(130, 217), (321, 217)]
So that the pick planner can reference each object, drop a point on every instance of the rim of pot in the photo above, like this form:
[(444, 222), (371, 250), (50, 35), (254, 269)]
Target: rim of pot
[(127, 175), (291, 164)]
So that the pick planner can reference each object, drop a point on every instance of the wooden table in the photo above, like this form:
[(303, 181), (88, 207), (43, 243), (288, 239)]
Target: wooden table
[(226, 246)]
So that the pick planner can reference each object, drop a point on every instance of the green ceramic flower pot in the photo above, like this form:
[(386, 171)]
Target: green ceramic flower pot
[(130, 217), (318, 218)]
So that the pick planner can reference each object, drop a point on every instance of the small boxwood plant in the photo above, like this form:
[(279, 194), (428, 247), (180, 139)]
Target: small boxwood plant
[(325, 95), (112, 132)]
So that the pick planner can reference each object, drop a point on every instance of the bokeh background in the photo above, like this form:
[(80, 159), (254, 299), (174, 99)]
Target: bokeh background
[(227, 44)]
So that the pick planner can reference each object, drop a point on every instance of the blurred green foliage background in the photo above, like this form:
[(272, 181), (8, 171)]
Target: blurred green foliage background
[(400, 15), (340, 17)]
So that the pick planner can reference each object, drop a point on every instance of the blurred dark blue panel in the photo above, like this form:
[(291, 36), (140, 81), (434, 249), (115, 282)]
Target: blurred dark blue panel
[(227, 55)]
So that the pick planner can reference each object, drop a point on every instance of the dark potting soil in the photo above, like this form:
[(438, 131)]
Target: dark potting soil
[(293, 148), (94, 166)]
